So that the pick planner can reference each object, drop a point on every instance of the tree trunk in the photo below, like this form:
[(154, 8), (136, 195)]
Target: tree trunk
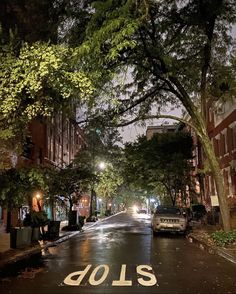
[(8, 226), (219, 180), (172, 197), (52, 208), (9, 215), (92, 202), (199, 123), (71, 204)]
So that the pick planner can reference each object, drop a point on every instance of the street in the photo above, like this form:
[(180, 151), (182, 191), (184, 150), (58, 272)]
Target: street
[(120, 255)]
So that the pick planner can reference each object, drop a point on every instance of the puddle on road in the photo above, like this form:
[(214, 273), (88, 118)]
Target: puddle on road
[(30, 273)]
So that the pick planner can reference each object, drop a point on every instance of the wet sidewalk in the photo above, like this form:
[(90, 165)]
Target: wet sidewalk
[(5, 240)]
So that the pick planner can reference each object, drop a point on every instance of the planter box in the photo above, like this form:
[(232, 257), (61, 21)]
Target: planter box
[(20, 237), (35, 234), (53, 229), (73, 218)]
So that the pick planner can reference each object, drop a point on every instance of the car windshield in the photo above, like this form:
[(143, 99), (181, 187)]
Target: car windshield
[(168, 210)]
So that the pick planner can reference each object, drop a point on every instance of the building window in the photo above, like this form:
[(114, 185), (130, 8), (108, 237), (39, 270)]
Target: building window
[(216, 146), (27, 148), (212, 186), (233, 181), (222, 145), (210, 114), (234, 137), (39, 158), (230, 139)]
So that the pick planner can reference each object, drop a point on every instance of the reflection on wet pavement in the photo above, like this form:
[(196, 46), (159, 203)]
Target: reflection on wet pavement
[(122, 245)]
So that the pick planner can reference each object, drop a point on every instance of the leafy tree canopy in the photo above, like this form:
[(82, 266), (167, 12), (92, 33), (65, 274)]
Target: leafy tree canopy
[(162, 160), (37, 81), (165, 48), (38, 75), (172, 52), (69, 183), (17, 186), (110, 180)]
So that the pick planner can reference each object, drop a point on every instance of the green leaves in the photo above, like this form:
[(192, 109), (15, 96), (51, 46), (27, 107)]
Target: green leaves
[(222, 238), (34, 82), (110, 31), (162, 160), (19, 184), (109, 181)]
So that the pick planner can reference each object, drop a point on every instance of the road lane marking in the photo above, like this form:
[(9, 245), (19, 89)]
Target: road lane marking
[(72, 282), (122, 281), (92, 280), (152, 279), (145, 276)]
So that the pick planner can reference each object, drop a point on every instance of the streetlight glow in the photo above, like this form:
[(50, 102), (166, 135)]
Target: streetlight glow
[(102, 165), (38, 196)]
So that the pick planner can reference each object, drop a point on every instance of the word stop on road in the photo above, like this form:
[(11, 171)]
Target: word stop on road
[(144, 272)]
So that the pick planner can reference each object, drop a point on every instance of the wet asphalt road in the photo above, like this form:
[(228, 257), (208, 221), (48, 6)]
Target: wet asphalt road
[(120, 255)]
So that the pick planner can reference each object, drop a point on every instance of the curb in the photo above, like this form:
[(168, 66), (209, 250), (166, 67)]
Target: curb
[(211, 249), (226, 255), (70, 235), (20, 256), (101, 220), (27, 253)]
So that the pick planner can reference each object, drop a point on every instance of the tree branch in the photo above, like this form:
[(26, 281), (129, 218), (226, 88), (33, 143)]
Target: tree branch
[(158, 116)]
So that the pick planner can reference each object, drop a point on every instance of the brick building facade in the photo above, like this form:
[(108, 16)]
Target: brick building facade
[(221, 122), (221, 127), (52, 141)]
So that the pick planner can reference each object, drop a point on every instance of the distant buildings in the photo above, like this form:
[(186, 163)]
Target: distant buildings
[(151, 130)]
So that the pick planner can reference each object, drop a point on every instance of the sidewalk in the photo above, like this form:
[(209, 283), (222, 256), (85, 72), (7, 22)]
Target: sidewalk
[(200, 235), (10, 256)]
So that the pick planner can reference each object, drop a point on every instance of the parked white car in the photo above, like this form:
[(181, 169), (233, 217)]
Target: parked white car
[(168, 219)]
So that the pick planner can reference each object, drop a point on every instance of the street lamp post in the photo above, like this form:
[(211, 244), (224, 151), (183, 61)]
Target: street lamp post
[(93, 201), (93, 196)]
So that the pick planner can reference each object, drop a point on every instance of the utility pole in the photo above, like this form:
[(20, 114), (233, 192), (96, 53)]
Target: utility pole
[(93, 194)]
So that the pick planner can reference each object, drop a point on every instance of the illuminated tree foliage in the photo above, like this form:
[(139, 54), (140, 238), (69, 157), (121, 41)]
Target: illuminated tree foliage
[(37, 82), (37, 72), (161, 52)]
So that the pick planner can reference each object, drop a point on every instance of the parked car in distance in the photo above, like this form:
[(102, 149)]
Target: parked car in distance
[(198, 211), (142, 211), (169, 219)]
